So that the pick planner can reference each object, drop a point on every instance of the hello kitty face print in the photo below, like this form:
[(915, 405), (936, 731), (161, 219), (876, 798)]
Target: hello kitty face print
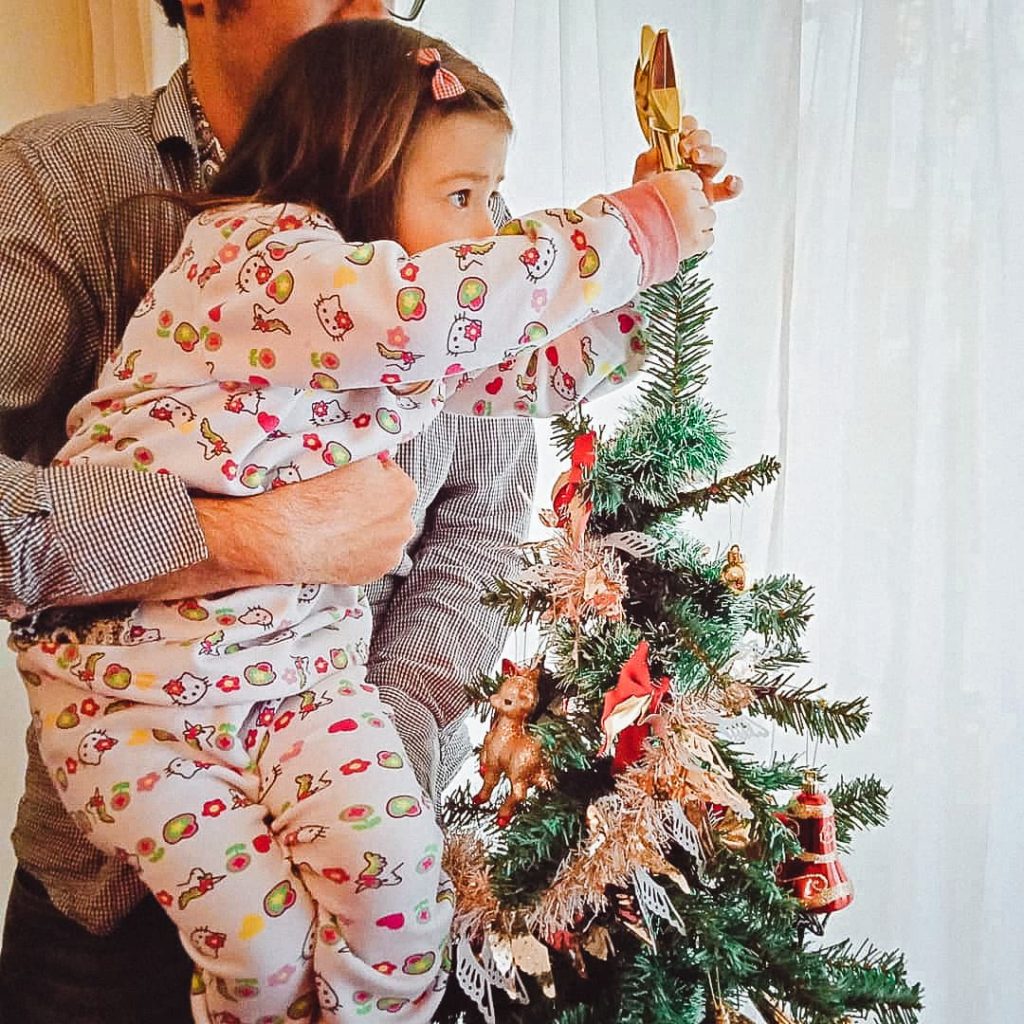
[(464, 334), (171, 411), (324, 413), (539, 258), (186, 689), (333, 319), (94, 745)]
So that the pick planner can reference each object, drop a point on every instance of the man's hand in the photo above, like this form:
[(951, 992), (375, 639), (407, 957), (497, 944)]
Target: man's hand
[(349, 527), (706, 160)]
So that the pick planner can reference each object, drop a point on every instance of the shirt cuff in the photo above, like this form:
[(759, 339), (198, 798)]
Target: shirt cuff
[(418, 731), (651, 225), (118, 527)]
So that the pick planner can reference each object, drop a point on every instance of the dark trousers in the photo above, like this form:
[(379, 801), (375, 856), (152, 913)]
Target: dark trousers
[(53, 971)]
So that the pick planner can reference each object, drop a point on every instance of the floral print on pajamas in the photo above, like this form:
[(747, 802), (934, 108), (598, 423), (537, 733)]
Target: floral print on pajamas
[(228, 746)]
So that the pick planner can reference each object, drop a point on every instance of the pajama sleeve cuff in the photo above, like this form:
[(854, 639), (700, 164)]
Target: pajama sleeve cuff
[(650, 223)]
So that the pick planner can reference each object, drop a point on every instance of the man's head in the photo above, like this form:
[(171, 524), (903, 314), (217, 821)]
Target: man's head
[(232, 43), (223, 10)]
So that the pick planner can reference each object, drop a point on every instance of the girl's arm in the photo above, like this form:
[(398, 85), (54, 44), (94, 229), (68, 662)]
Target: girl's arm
[(278, 293), (597, 356)]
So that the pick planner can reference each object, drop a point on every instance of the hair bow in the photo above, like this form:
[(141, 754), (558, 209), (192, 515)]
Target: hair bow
[(445, 84)]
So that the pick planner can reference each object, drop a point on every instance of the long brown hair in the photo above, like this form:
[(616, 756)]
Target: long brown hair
[(330, 127), (334, 119)]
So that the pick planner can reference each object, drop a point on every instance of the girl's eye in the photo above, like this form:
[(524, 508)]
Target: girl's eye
[(460, 198)]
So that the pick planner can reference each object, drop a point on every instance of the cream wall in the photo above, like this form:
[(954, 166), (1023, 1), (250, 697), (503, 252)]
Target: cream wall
[(44, 57), (56, 54), (64, 53)]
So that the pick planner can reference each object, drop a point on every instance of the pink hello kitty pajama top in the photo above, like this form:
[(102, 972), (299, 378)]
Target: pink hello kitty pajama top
[(228, 745)]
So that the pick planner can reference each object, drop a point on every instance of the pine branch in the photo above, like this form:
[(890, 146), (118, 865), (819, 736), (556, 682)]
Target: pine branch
[(656, 454), (799, 710), (756, 783), (479, 691), (521, 602), (780, 657), (461, 814), (870, 980), (736, 487), (545, 828), (566, 427), (677, 348), (859, 804), (780, 608), (564, 741), (653, 587), (698, 648)]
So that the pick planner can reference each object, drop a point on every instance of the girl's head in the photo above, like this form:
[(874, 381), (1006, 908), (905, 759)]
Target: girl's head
[(347, 121)]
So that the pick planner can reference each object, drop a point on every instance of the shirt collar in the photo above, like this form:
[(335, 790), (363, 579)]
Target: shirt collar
[(179, 116)]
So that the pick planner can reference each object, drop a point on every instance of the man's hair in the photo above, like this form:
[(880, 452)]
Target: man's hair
[(333, 122), (175, 13)]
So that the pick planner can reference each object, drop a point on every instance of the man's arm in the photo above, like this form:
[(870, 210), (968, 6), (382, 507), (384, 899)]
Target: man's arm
[(87, 533), (84, 534), (434, 636)]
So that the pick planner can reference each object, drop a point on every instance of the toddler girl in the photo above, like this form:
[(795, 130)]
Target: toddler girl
[(228, 745)]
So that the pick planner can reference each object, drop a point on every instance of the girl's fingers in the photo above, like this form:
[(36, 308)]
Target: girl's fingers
[(708, 160), (694, 140), (646, 165), (720, 191)]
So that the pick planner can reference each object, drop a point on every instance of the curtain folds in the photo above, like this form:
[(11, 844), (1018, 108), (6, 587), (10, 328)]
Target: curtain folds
[(869, 330)]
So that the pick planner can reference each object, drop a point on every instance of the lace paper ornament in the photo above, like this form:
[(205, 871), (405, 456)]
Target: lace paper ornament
[(634, 543), (497, 958), (737, 728), (682, 831), (474, 979), (653, 900)]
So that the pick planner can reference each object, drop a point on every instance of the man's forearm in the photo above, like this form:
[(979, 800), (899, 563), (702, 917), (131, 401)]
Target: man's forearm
[(347, 527)]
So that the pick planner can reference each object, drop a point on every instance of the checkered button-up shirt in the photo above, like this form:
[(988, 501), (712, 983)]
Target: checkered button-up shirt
[(64, 180)]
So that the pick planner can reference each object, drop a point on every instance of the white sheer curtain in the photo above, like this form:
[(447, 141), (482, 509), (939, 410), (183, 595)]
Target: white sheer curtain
[(870, 332), (65, 53)]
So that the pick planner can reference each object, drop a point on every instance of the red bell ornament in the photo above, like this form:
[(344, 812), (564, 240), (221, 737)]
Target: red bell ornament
[(815, 876)]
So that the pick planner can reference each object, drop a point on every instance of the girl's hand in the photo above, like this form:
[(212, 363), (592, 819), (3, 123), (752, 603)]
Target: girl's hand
[(689, 208), (706, 159)]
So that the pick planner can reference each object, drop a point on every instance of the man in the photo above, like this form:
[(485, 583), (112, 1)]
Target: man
[(83, 942)]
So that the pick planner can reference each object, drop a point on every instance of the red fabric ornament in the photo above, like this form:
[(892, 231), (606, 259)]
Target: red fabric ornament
[(570, 511), (627, 708), (815, 876)]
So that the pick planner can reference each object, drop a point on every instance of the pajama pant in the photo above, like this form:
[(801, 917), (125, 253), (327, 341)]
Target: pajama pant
[(296, 852)]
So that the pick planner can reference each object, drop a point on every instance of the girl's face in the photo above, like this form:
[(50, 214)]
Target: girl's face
[(455, 164)]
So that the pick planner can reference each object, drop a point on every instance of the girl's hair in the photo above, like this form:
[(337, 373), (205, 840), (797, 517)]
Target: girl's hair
[(332, 123), (173, 13), (330, 127)]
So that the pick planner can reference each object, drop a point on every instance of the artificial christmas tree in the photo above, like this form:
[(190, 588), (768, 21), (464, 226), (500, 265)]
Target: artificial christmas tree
[(653, 874)]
